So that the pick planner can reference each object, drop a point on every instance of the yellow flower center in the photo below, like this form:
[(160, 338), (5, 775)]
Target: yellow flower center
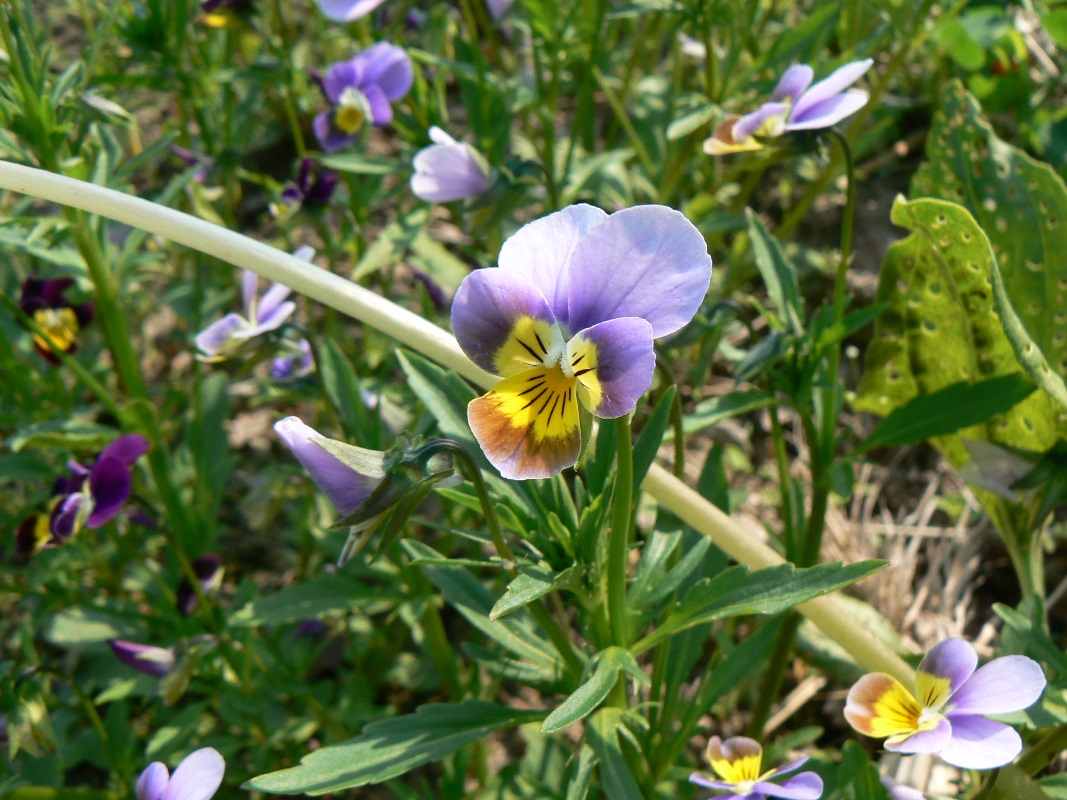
[(352, 111), (59, 328)]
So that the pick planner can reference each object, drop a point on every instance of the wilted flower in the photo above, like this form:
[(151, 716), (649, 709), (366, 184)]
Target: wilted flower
[(93, 496), (347, 10), (313, 189), (361, 89), (154, 661), (794, 107), (738, 761), (226, 336), (448, 170), (569, 315), (198, 777), (298, 363), (60, 320), (208, 571), (948, 716)]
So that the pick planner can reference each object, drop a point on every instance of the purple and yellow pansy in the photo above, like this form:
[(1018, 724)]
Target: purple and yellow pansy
[(946, 714), (568, 317), (60, 321), (738, 762)]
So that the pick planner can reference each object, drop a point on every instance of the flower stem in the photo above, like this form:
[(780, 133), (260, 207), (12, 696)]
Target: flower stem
[(619, 535)]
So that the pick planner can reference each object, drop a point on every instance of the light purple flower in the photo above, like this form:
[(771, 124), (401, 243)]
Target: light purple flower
[(569, 315), (448, 170), (794, 107), (198, 777), (946, 715), (298, 363), (738, 763), (347, 10), (226, 336), (361, 89), (154, 661)]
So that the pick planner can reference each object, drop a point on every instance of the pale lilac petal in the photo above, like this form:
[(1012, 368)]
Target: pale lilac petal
[(755, 124), (446, 172), (347, 10), (109, 486), (898, 791), (249, 285), (487, 307), (930, 741), (388, 67), (498, 8), (269, 323), (341, 76), (1006, 684), (213, 339), (540, 251), (198, 777), (381, 113), (624, 363), (953, 659), (828, 112), (153, 781), (837, 82), (708, 783), (270, 302), (793, 83), (980, 743), (805, 786), (154, 661), (127, 448), (346, 488), (792, 766), (648, 262)]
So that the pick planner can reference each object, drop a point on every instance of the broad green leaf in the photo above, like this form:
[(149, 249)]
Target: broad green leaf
[(80, 626), (391, 747), (586, 698), (653, 582), (1038, 643), (578, 786), (722, 407), (530, 584), (392, 243), (445, 396), (1014, 784), (695, 114), (602, 733), (341, 384), (359, 164), (947, 410), (778, 273), (438, 262), (70, 433), (940, 328), (308, 600)]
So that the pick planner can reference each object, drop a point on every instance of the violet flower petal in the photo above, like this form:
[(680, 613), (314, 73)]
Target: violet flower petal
[(153, 781), (341, 76), (447, 171), (753, 124), (980, 743), (647, 261), (109, 486), (271, 305), (198, 777), (623, 366), (381, 113), (63, 522), (1005, 684), (388, 67), (791, 766), (929, 741), (943, 670), (700, 780), (154, 661), (805, 786), (330, 139), (347, 10), (828, 112), (213, 340), (540, 251), (127, 448), (839, 80), (249, 292), (793, 83)]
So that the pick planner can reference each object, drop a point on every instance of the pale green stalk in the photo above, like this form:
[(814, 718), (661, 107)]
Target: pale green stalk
[(425, 337)]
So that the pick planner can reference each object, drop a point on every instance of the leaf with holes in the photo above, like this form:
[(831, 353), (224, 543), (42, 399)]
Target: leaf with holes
[(940, 327)]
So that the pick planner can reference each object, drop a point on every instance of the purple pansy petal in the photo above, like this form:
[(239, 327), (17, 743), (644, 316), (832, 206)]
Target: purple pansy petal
[(109, 486), (153, 781), (53, 290), (620, 359), (341, 76), (154, 661), (249, 286), (756, 123), (929, 741), (447, 171), (1005, 684), (127, 448), (792, 766), (701, 780), (84, 313), (347, 10), (198, 777), (793, 83), (381, 113), (722, 141), (63, 522), (388, 67), (828, 112), (647, 261), (346, 488), (540, 251), (501, 321), (213, 339), (271, 301), (898, 791), (980, 743), (943, 670), (322, 188), (805, 786), (837, 82)]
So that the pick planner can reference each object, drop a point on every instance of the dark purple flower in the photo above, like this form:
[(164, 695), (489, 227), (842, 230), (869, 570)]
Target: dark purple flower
[(92, 496), (297, 364), (32, 535), (208, 571), (59, 319), (154, 661), (224, 13), (313, 189), (362, 89)]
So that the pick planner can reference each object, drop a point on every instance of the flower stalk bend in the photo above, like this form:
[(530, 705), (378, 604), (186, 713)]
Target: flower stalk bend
[(412, 330)]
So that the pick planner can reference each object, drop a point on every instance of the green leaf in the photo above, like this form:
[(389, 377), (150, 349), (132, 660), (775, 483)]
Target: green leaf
[(81, 626), (68, 434), (341, 384), (438, 262), (307, 600), (1055, 25), (858, 776), (588, 697), (778, 273), (616, 780), (722, 407), (648, 443), (947, 410), (445, 396), (959, 45), (391, 747), (530, 584), (1038, 643), (692, 118), (359, 164)]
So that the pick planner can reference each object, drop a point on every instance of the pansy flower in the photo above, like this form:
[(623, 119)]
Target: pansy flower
[(448, 170), (795, 105), (738, 763), (226, 336), (224, 13), (93, 496), (568, 318), (146, 658), (313, 189), (297, 363), (60, 320), (362, 89), (198, 777), (946, 714), (208, 570)]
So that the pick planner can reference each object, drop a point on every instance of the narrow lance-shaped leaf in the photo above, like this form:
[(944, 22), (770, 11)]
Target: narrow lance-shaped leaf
[(588, 697)]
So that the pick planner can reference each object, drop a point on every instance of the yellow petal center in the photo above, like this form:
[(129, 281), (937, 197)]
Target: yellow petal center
[(352, 111), (59, 327)]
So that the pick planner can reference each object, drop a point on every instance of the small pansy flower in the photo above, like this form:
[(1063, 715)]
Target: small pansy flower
[(208, 570), (347, 10), (226, 336), (198, 777), (738, 763), (448, 170), (60, 320), (946, 715), (794, 107), (93, 496), (33, 534), (296, 364), (567, 318), (154, 661), (224, 13), (313, 189), (362, 89)]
